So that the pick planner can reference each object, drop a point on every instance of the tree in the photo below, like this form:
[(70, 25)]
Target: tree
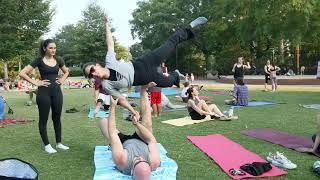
[(21, 25), (85, 41)]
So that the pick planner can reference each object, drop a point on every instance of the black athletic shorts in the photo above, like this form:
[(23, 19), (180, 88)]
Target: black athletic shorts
[(196, 116), (124, 137), (266, 78)]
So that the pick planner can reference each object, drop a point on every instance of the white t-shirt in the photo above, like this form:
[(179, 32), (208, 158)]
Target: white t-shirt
[(183, 92)]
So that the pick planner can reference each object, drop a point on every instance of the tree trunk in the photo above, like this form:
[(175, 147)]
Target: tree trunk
[(298, 58), (5, 70)]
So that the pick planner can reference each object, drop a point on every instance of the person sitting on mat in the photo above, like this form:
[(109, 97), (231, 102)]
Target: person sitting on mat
[(183, 96), (165, 102), (141, 71), (101, 97), (316, 140), (240, 94), (138, 154), (198, 109)]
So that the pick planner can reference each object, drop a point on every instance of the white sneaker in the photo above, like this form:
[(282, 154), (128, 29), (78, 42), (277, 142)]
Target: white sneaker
[(61, 146), (49, 149), (281, 161)]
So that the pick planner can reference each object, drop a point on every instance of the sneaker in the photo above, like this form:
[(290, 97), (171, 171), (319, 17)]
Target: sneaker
[(281, 161), (180, 75), (49, 149), (199, 21), (61, 146)]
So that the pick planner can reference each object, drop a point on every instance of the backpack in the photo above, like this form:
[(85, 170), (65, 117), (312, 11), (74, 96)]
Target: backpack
[(16, 169), (256, 168)]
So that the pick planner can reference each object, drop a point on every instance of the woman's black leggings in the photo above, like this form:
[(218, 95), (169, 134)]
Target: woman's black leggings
[(146, 66), (47, 97)]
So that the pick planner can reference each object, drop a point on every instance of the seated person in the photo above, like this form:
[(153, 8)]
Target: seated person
[(183, 96), (101, 97), (167, 104), (198, 109), (316, 140), (240, 94), (138, 154)]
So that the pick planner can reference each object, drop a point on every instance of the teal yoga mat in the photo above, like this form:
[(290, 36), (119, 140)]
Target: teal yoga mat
[(105, 168), (100, 114)]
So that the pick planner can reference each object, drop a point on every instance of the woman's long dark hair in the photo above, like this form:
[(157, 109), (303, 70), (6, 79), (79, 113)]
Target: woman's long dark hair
[(43, 45), (189, 91)]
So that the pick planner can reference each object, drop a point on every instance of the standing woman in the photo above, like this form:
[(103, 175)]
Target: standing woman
[(238, 69), (49, 92), (267, 74), (273, 76)]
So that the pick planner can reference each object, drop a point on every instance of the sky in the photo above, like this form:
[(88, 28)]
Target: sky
[(70, 12)]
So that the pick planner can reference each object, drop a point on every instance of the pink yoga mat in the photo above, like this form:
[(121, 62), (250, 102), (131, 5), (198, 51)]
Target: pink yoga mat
[(228, 154)]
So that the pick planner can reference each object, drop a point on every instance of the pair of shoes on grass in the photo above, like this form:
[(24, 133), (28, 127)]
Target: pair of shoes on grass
[(49, 149), (279, 160)]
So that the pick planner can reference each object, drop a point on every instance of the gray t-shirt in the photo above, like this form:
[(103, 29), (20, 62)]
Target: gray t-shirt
[(135, 148), (124, 75)]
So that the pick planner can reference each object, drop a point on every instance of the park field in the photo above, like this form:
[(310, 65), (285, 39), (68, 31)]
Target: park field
[(82, 135)]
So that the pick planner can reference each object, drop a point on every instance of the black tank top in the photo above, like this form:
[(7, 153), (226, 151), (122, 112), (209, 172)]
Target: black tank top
[(238, 72)]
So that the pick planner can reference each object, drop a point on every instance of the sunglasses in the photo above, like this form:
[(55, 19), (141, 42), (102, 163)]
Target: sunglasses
[(92, 70), (136, 163)]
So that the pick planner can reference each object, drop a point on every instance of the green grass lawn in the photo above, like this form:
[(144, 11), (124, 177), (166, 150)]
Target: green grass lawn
[(82, 135)]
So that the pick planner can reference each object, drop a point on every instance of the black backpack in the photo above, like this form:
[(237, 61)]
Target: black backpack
[(256, 168), (16, 169)]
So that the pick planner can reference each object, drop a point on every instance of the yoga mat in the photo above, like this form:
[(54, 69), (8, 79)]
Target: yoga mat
[(165, 91), (228, 154), (105, 168), (173, 110), (312, 106), (15, 121), (188, 121), (257, 103), (280, 138), (100, 114)]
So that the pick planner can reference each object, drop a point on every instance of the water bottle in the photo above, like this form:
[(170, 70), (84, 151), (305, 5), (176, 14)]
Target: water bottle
[(230, 112)]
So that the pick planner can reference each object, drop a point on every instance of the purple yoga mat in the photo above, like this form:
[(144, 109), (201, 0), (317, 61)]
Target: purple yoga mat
[(280, 138)]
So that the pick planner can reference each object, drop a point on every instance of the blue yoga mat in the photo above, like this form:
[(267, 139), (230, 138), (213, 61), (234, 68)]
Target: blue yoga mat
[(106, 169), (165, 91), (100, 114), (257, 103)]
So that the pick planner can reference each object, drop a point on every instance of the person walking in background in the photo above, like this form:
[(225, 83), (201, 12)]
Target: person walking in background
[(155, 100), (49, 93), (191, 77), (302, 70), (273, 76)]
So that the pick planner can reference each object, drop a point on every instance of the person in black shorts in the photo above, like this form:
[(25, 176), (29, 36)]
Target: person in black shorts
[(49, 93), (239, 68), (267, 74)]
